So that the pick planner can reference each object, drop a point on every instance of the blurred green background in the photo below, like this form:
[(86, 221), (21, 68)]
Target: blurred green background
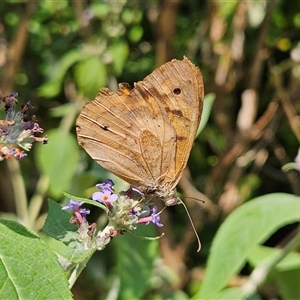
[(57, 54)]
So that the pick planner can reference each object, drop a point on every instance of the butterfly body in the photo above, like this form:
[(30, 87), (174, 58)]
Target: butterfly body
[(144, 135)]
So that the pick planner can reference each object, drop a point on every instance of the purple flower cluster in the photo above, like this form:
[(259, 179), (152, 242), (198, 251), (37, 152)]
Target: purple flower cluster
[(17, 131), (137, 212)]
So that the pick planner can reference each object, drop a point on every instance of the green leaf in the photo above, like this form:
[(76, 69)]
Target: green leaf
[(101, 10), (135, 33), (62, 110), (233, 293), (207, 106), (288, 284), (53, 87), (249, 225), (120, 53), (261, 253), (57, 224), (135, 262), (58, 160), (83, 184), (90, 75), (28, 269)]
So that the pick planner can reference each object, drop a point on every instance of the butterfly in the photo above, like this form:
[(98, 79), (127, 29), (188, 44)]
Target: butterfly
[(144, 135)]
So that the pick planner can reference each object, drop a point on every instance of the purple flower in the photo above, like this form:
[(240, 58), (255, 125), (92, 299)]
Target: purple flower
[(75, 206), (80, 213), (72, 205), (154, 218), (84, 211), (105, 197), (13, 95), (107, 185)]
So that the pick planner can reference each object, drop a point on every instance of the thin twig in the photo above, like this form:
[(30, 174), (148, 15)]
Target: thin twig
[(287, 105)]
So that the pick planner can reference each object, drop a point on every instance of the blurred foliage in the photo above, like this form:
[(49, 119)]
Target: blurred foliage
[(57, 54)]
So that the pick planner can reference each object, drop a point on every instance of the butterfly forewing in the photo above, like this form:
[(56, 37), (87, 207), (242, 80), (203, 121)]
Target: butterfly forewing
[(178, 87), (145, 135)]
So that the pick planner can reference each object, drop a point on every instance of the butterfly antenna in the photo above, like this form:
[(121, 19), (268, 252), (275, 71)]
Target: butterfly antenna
[(194, 229), (196, 199)]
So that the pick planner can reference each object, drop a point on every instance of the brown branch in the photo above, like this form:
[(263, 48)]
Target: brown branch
[(166, 28), (16, 48), (292, 175), (239, 141), (243, 141), (287, 105), (260, 52)]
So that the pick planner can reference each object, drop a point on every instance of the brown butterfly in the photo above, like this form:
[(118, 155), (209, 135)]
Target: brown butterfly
[(144, 135)]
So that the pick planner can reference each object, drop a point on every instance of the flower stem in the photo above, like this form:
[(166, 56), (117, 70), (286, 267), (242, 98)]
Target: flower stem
[(19, 190), (38, 199), (77, 271)]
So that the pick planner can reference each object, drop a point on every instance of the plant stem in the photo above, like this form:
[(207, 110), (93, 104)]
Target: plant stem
[(38, 199), (77, 271), (19, 190)]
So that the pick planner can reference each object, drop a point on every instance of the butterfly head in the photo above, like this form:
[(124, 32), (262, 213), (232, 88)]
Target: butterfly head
[(168, 196)]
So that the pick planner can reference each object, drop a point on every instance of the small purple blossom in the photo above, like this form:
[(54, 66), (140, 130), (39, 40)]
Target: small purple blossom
[(75, 206), (80, 213), (105, 197), (13, 95), (154, 218), (72, 205), (107, 185), (84, 211)]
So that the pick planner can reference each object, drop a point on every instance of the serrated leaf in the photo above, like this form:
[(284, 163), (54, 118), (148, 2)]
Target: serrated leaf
[(135, 262), (90, 75), (28, 269), (249, 225), (58, 160), (57, 225)]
